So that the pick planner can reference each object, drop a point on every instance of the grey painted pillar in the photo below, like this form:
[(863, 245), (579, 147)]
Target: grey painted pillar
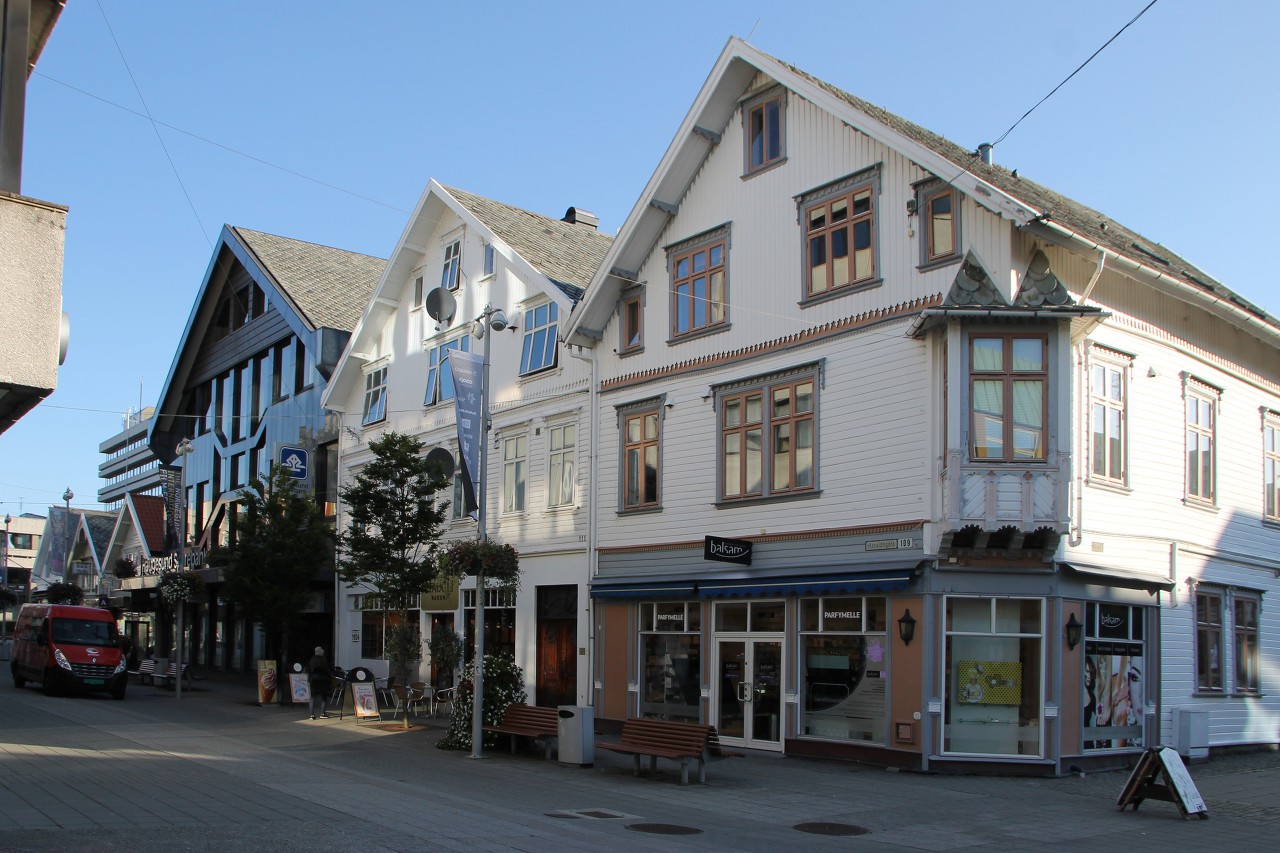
[(15, 34)]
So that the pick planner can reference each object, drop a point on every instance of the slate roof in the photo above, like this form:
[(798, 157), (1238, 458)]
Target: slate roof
[(566, 253), (1054, 206), (101, 525), (330, 287)]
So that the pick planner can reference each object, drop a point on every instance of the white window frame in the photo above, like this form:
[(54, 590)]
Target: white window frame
[(375, 394), (451, 270), (562, 452), (540, 325), (515, 465), (437, 357), (1207, 399), (1271, 466), (1114, 411)]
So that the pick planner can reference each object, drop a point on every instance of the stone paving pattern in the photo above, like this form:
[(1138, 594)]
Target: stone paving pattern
[(214, 771)]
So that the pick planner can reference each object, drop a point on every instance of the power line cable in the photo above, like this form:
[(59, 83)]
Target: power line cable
[(221, 145), (155, 128), (1074, 73)]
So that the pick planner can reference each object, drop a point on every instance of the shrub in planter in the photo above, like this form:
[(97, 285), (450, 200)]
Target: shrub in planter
[(503, 686), (125, 569), (500, 564)]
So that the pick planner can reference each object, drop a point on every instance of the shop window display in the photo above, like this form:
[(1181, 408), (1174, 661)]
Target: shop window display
[(844, 643), (1113, 677), (994, 668), (671, 661)]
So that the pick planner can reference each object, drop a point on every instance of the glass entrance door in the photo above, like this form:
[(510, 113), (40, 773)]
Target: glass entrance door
[(749, 701)]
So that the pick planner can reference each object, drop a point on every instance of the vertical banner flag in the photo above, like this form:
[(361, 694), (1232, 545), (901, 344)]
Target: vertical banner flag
[(468, 370)]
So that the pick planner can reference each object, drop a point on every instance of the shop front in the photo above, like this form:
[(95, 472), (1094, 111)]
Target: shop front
[(1025, 670)]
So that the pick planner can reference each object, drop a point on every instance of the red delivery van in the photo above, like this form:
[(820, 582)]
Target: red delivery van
[(68, 648)]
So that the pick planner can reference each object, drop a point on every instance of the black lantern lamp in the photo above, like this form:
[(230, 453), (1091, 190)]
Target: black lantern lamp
[(907, 627), (1073, 631)]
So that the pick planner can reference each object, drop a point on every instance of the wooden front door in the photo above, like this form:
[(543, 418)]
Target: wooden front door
[(557, 677)]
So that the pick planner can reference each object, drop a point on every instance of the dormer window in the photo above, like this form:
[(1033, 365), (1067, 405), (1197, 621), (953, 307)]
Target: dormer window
[(763, 127)]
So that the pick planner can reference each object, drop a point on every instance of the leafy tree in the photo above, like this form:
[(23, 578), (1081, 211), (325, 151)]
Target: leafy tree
[(64, 593), (8, 598), (394, 535), (282, 539)]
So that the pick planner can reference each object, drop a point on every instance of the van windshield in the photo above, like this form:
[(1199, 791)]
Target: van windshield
[(84, 632)]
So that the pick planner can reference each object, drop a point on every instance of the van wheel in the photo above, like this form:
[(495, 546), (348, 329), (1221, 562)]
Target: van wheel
[(50, 689), (117, 694), (18, 681)]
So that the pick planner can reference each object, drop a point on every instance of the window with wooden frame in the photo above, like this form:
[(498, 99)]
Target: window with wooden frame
[(1244, 626), (1008, 384), (632, 326), (1271, 466), (375, 396), (1209, 640), (641, 458), (938, 205), (768, 436), (699, 283), (840, 234), (1201, 442), (489, 266), (450, 274), (1108, 425), (764, 130)]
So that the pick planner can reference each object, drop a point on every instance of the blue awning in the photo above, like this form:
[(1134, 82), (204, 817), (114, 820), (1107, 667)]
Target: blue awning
[(882, 578)]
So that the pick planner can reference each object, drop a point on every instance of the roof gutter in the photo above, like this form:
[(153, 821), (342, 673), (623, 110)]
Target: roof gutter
[(1192, 293)]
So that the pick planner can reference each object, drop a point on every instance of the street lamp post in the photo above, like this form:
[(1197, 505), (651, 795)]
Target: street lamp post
[(69, 542), (490, 320), (184, 449)]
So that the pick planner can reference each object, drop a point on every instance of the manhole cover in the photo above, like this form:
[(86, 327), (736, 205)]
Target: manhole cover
[(831, 828), (565, 815), (603, 815), (664, 829)]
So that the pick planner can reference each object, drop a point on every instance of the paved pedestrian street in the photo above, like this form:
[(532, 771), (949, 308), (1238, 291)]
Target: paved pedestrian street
[(214, 771)]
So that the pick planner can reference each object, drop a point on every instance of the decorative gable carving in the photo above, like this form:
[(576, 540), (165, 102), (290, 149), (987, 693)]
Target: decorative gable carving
[(1040, 287), (973, 287)]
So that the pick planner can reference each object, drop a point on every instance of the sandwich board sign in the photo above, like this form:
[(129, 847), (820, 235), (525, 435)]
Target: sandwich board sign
[(1177, 787)]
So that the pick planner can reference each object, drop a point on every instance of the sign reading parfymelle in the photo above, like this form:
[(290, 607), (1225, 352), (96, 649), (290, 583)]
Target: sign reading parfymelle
[(727, 550)]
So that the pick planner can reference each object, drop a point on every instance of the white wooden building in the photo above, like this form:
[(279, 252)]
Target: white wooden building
[(395, 376), (894, 453)]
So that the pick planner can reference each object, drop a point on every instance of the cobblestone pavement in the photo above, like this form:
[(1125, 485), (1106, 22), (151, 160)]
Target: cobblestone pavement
[(213, 771)]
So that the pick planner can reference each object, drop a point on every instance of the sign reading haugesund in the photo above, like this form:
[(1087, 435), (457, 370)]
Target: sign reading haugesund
[(727, 550)]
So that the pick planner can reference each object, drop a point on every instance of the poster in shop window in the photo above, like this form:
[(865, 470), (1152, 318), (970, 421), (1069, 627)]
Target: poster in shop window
[(1113, 695)]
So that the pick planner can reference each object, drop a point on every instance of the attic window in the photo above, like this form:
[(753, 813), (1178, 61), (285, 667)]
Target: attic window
[(1150, 254), (764, 130)]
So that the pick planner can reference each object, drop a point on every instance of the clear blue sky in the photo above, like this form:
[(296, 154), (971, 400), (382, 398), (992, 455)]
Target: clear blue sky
[(323, 121)]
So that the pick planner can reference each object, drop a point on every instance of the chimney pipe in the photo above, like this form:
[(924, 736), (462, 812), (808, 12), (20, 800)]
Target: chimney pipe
[(578, 216), (984, 151)]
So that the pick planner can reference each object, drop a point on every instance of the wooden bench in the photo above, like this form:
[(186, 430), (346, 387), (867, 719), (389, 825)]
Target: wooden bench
[(147, 670), (171, 674), (683, 742), (531, 721)]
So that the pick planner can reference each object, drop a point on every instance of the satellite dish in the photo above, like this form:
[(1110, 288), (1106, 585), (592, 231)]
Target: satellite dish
[(440, 463), (441, 305)]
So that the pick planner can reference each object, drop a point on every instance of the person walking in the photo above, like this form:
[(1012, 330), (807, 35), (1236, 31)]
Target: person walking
[(320, 678)]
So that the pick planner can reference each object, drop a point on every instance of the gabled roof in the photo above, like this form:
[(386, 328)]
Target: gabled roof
[(97, 526), (310, 285), (148, 515), (1027, 204), (562, 254), (328, 286), (566, 253)]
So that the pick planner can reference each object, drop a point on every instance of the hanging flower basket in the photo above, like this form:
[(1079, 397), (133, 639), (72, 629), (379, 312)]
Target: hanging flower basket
[(177, 587), (500, 564)]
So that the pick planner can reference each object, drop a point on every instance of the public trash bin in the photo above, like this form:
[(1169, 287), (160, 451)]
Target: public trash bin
[(577, 735)]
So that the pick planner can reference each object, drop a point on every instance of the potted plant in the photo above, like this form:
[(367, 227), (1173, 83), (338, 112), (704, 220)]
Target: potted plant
[(125, 568), (499, 564)]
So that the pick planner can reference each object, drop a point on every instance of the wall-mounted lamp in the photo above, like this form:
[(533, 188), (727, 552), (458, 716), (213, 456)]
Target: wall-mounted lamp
[(911, 207), (907, 628), (1074, 628)]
